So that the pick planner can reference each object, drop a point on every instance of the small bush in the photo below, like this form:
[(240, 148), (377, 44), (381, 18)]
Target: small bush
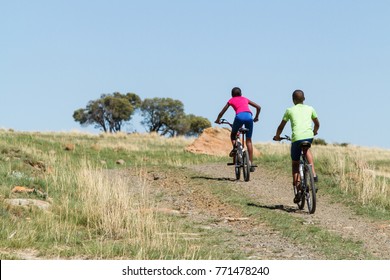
[(319, 141)]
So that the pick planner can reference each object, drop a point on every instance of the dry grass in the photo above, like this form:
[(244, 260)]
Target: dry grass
[(351, 166)]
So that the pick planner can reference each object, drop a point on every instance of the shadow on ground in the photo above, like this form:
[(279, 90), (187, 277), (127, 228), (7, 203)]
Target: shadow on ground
[(214, 178), (287, 209)]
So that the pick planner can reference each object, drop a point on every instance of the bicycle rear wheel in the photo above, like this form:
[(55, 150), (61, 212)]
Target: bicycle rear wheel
[(237, 165), (310, 192), (245, 166)]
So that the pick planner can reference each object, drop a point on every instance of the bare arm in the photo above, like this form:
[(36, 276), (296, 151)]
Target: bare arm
[(218, 120), (258, 109), (279, 130), (316, 126)]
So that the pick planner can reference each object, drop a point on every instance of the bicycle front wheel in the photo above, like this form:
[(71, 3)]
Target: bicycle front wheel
[(310, 192), (246, 166)]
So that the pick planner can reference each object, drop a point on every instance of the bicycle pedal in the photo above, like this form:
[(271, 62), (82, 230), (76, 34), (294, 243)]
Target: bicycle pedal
[(230, 163), (254, 165)]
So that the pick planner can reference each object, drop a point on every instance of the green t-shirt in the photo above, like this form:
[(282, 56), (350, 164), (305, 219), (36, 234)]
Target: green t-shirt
[(301, 117)]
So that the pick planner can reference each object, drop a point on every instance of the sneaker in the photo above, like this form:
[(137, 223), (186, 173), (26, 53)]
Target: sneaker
[(252, 169), (297, 197), (316, 179), (233, 152)]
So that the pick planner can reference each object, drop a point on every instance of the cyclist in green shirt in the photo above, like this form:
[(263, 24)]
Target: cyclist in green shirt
[(301, 116)]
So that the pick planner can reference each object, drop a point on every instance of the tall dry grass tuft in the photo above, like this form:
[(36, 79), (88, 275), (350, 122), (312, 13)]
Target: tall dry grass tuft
[(119, 208), (106, 202), (350, 167)]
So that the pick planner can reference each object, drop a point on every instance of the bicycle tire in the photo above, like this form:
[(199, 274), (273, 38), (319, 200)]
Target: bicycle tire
[(237, 165), (310, 194), (245, 166)]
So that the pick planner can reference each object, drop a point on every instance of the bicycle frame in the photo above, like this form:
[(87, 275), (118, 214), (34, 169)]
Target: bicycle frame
[(241, 132), (303, 162)]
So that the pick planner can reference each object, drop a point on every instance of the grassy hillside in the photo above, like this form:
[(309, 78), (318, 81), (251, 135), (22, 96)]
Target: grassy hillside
[(95, 213)]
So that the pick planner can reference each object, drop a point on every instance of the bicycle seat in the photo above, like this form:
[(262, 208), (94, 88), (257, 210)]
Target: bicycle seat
[(305, 144), (243, 130)]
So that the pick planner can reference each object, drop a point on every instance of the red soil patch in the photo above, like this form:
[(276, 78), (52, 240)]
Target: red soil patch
[(214, 141)]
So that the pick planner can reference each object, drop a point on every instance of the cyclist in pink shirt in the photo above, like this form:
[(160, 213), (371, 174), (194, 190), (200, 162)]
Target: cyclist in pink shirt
[(244, 115)]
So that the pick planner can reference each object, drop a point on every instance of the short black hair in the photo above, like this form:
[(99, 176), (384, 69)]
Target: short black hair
[(298, 95), (236, 91)]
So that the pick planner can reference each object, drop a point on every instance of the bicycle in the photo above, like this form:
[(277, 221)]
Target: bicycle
[(308, 188), (241, 156)]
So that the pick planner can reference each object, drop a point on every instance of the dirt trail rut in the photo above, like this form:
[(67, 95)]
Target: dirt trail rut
[(274, 192)]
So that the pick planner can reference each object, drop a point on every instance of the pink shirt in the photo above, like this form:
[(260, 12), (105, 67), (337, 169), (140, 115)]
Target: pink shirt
[(239, 104)]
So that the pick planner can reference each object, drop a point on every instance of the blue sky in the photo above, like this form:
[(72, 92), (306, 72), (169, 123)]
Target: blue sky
[(58, 55)]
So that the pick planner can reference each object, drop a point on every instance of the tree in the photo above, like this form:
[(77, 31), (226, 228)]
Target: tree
[(162, 115), (166, 116), (193, 125), (197, 125), (109, 112)]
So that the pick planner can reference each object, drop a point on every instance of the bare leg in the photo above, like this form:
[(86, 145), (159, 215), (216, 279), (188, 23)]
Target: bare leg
[(295, 172), (250, 148), (233, 139), (310, 159), (296, 180)]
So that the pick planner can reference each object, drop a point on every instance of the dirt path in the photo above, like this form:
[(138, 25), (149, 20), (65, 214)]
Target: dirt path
[(270, 191)]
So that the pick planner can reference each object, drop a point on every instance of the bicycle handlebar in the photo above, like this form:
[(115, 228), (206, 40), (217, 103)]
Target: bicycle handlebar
[(286, 137), (225, 121)]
